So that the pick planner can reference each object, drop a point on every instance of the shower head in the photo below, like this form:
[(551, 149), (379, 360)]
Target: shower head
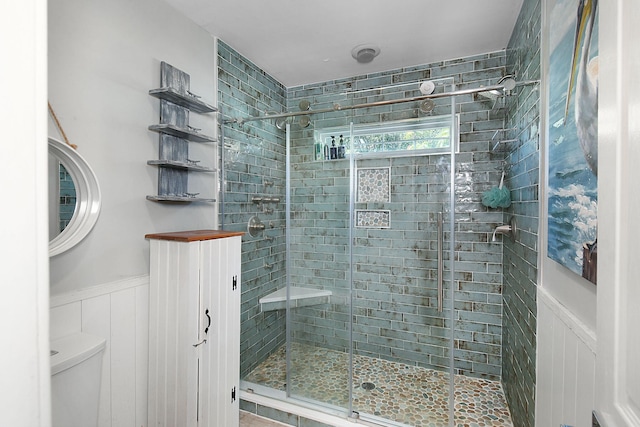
[(508, 82)]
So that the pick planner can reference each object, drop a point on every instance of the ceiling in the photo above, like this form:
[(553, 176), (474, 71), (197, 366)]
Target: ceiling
[(304, 41)]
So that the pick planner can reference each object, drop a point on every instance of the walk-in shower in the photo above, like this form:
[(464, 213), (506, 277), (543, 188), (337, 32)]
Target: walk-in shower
[(391, 296)]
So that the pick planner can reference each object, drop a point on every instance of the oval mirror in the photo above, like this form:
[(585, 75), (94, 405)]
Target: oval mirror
[(74, 197)]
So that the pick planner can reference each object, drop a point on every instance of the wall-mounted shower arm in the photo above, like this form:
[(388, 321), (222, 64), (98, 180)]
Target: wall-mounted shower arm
[(493, 138), (337, 107), (504, 141), (527, 82)]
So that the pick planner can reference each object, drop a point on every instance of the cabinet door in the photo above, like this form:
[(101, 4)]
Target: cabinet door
[(220, 312), (231, 338), (173, 319)]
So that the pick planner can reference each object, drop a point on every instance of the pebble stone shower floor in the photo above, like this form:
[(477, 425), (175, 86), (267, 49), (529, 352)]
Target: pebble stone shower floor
[(402, 393)]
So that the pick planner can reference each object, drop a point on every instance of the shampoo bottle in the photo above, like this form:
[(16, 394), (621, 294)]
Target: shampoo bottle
[(341, 149), (333, 150)]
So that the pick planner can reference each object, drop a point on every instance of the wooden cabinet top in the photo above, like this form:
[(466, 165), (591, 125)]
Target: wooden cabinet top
[(194, 235)]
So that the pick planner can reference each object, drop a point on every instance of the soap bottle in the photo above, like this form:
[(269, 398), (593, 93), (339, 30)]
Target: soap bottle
[(341, 149), (326, 152), (333, 150), (318, 154)]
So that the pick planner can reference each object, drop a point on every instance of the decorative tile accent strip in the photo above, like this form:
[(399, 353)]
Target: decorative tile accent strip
[(374, 185), (373, 219)]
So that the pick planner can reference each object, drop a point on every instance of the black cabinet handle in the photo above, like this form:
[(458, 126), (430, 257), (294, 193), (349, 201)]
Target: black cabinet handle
[(206, 313)]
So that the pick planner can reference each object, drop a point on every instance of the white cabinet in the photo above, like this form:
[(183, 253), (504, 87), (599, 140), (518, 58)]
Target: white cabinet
[(194, 329)]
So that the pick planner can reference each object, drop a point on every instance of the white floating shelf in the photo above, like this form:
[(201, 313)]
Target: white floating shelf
[(300, 297)]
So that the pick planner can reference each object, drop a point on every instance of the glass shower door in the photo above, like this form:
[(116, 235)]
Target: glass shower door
[(318, 276), (368, 330), (402, 337)]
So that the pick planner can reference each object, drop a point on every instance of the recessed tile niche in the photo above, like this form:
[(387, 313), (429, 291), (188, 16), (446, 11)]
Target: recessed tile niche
[(373, 185)]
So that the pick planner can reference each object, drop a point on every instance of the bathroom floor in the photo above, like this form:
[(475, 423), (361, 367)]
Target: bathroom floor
[(251, 420), (402, 393)]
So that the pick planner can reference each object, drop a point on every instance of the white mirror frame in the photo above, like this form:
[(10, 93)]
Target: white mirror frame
[(88, 202)]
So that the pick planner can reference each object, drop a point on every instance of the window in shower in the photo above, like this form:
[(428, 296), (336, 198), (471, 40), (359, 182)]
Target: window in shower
[(413, 137)]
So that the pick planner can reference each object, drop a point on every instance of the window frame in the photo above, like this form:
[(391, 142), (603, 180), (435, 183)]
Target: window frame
[(324, 135)]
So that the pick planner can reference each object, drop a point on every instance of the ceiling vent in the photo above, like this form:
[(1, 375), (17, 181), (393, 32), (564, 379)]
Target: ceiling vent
[(365, 53)]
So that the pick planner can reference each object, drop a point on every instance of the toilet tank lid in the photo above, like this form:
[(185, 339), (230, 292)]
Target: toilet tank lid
[(73, 349)]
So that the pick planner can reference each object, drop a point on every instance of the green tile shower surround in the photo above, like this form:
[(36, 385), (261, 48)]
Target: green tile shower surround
[(520, 258), (67, 202), (393, 306), (255, 165), (388, 320)]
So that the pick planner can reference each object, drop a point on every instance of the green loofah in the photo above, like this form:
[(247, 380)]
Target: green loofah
[(497, 197)]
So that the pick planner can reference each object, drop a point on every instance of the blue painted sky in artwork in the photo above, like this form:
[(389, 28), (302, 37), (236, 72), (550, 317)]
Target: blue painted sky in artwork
[(572, 197)]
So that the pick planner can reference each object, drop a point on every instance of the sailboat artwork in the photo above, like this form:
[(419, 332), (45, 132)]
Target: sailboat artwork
[(573, 135)]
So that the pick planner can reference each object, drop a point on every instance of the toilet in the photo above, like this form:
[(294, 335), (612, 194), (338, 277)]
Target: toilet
[(76, 368)]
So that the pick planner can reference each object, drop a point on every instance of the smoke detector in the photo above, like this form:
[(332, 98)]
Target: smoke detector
[(365, 53)]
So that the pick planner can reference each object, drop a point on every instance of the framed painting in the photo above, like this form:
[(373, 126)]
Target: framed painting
[(573, 135)]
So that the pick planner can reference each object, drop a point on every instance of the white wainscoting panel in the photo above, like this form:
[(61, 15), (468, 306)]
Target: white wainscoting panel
[(65, 320), (142, 353), (118, 312), (565, 387), (96, 320)]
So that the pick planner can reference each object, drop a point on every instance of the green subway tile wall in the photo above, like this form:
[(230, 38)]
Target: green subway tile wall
[(254, 166), (520, 258), (394, 274), (394, 269)]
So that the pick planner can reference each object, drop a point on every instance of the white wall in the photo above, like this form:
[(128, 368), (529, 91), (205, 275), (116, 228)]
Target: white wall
[(24, 388), (618, 371), (566, 318), (104, 57)]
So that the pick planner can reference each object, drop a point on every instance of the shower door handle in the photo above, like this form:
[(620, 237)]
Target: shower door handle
[(440, 264)]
